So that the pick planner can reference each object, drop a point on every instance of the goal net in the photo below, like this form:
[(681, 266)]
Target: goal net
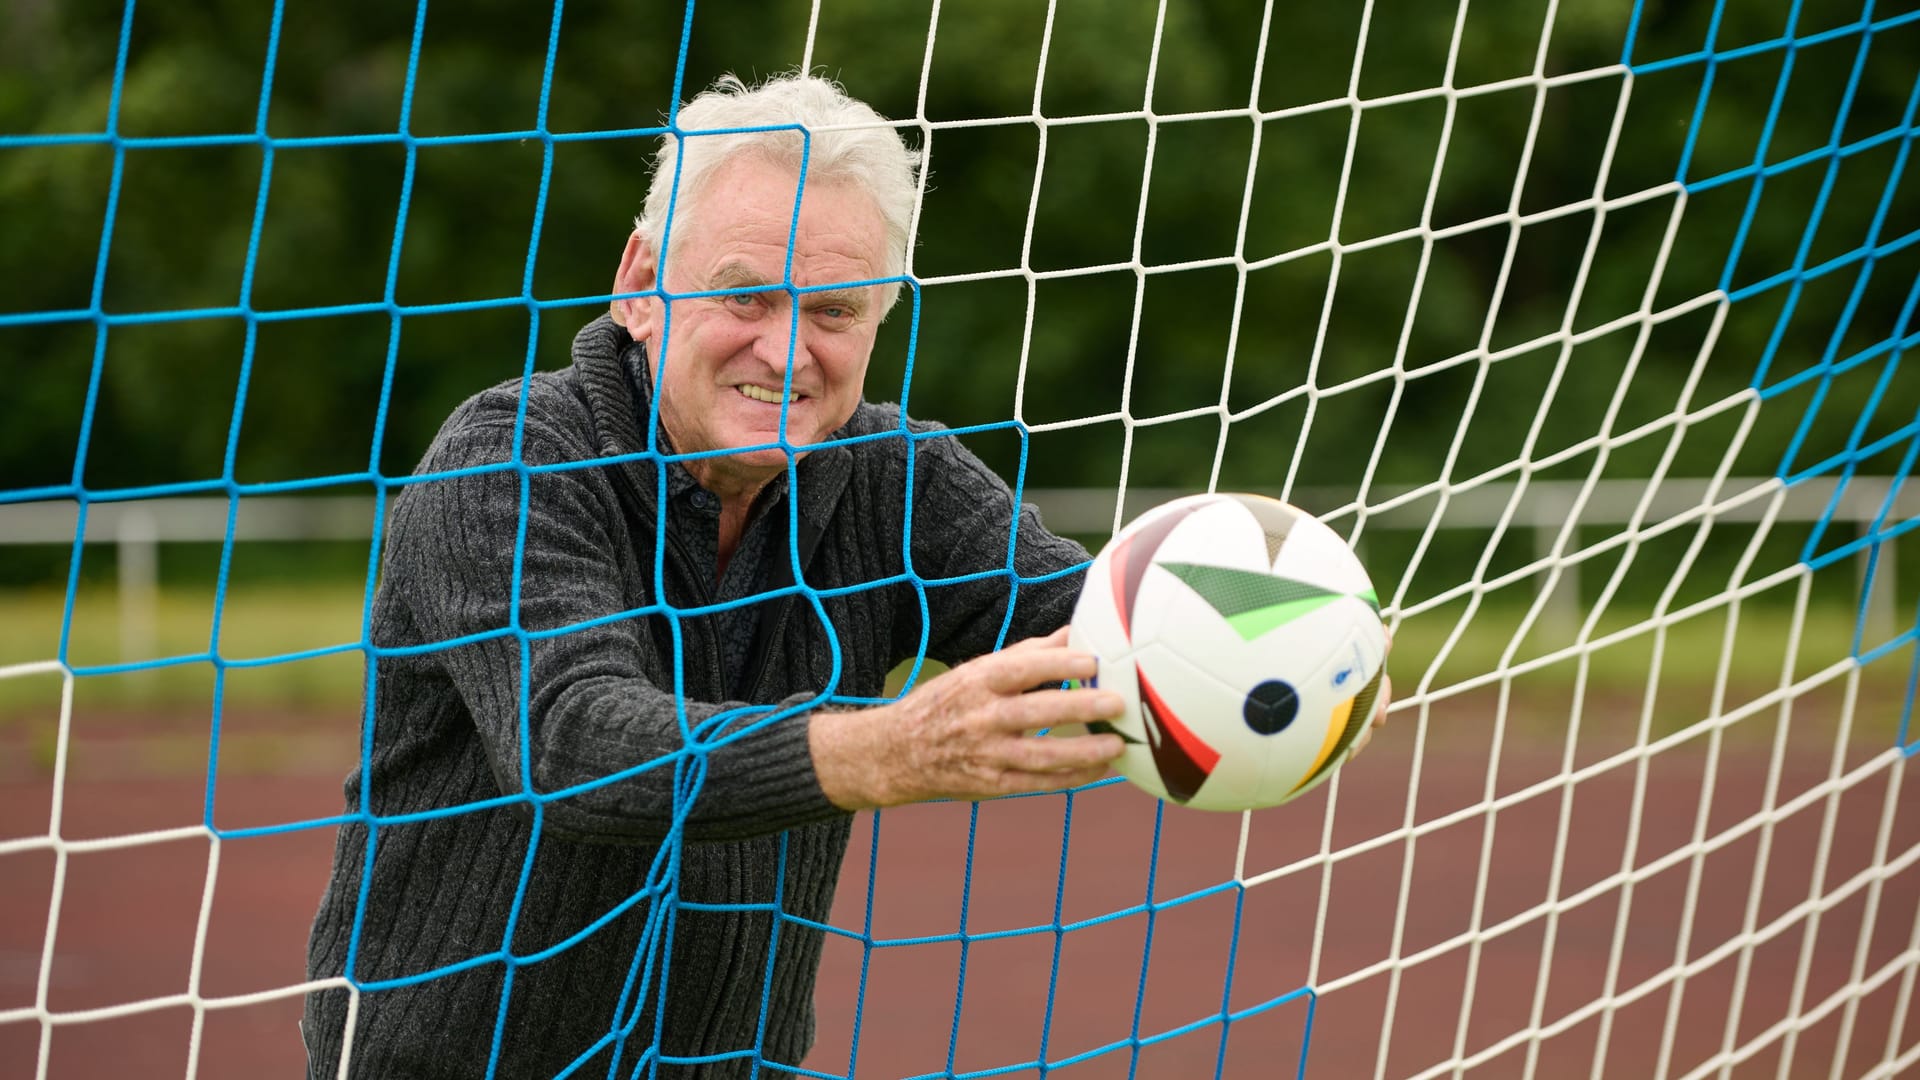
[(1585, 323)]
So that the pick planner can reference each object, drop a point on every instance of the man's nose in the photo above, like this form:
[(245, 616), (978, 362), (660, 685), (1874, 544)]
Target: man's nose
[(777, 334)]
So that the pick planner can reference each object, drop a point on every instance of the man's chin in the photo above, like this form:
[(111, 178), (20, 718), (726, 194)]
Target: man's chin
[(767, 460), (766, 439)]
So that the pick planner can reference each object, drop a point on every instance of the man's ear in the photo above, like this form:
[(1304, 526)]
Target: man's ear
[(638, 273)]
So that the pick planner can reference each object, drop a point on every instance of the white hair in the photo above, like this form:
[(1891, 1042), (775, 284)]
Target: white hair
[(862, 149)]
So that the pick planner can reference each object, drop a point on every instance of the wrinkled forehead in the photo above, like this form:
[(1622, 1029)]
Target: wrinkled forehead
[(751, 213)]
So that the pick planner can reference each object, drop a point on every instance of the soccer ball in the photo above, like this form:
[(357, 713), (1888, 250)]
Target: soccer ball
[(1246, 639)]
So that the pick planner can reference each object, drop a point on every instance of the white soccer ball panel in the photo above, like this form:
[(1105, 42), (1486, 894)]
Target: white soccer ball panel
[(1136, 762), (1315, 553), (1170, 612), (1097, 627), (1183, 753), (1221, 533), (1298, 654), (1276, 518), (1198, 749), (1326, 697), (1344, 625), (1110, 593)]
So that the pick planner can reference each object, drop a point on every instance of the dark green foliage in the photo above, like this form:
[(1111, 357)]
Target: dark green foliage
[(1224, 191)]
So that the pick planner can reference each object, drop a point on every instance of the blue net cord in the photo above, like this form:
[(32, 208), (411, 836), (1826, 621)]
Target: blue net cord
[(1874, 247)]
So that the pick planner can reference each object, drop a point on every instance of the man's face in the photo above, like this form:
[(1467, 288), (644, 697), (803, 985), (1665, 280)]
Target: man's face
[(720, 361)]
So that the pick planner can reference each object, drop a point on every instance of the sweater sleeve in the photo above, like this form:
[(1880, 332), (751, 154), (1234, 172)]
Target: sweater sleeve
[(964, 516), (545, 655)]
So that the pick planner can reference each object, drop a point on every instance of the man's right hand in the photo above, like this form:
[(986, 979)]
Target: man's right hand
[(967, 733)]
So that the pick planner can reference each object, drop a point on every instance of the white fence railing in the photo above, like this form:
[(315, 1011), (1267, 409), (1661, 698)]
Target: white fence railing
[(139, 527)]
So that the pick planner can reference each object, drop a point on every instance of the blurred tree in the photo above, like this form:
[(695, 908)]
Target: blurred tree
[(1199, 210)]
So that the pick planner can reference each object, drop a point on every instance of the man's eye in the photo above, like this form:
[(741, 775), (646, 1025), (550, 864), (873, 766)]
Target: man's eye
[(744, 299)]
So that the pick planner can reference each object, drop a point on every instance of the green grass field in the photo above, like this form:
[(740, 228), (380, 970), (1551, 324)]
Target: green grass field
[(286, 621)]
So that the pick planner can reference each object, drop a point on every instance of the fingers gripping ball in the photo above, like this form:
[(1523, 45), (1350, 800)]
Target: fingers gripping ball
[(1246, 640)]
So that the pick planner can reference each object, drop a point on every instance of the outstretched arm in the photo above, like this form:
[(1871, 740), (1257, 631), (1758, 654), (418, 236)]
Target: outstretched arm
[(967, 733)]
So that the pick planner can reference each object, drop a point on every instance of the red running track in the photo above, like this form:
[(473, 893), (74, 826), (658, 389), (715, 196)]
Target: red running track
[(128, 916)]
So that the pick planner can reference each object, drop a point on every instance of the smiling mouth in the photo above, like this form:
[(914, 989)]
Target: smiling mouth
[(771, 397)]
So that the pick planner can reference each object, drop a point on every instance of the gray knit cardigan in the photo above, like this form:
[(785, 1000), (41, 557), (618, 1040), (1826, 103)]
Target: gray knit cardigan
[(574, 965)]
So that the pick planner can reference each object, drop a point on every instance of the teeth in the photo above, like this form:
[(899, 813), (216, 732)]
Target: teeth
[(771, 397)]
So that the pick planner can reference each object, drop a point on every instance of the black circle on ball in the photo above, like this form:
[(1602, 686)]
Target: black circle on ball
[(1270, 707)]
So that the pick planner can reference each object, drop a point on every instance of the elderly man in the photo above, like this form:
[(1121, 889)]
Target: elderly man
[(609, 742), (529, 653)]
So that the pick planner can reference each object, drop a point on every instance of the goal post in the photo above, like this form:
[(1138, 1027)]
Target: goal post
[(1589, 326)]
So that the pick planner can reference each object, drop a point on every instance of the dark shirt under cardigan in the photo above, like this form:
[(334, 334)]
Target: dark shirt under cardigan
[(601, 699)]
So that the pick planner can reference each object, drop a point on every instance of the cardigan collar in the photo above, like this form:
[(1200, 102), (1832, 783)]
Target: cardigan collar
[(613, 372)]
